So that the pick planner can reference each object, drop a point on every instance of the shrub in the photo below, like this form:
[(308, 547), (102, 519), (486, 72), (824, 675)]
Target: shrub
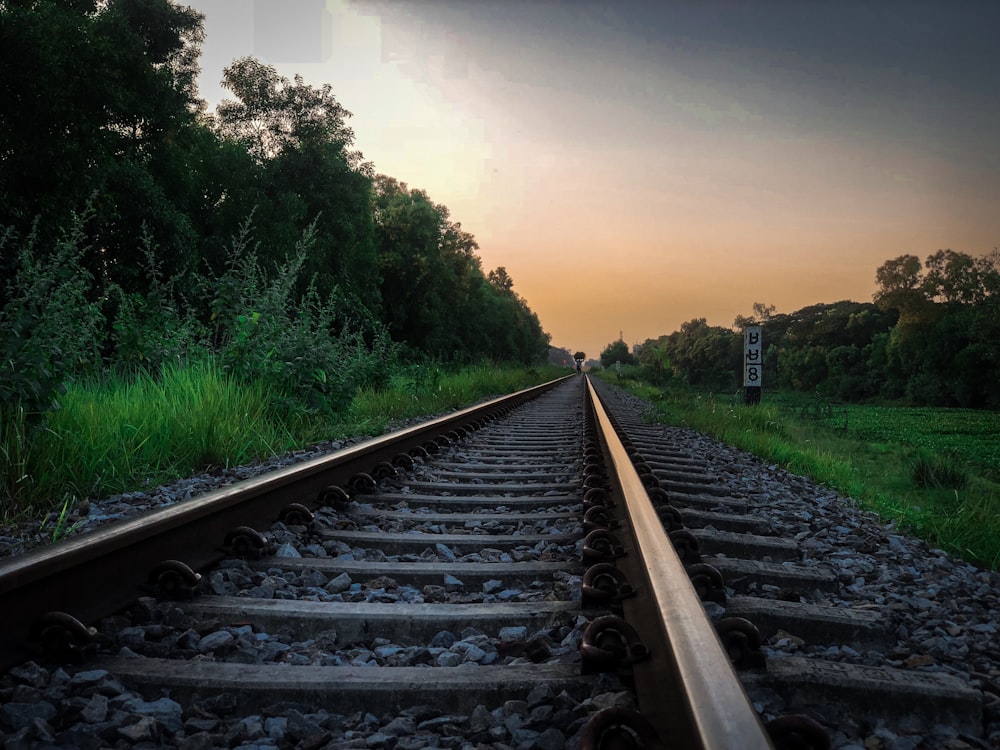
[(938, 472), (150, 331), (49, 330), (313, 351)]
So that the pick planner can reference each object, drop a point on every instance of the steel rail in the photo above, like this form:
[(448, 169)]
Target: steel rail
[(97, 573), (689, 689)]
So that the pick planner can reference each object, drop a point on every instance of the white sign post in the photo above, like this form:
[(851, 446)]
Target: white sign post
[(753, 365)]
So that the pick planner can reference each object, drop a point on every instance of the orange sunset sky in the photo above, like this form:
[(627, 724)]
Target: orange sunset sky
[(635, 165)]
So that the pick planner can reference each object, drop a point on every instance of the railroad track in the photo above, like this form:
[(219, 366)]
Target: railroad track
[(514, 575)]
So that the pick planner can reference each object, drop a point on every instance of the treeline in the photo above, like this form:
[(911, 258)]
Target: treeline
[(931, 336), (136, 227)]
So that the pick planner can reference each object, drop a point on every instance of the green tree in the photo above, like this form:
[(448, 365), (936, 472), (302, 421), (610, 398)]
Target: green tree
[(617, 351), (417, 283), (436, 299), (307, 172), (93, 99), (704, 355), (761, 314), (655, 355), (954, 277), (943, 349)]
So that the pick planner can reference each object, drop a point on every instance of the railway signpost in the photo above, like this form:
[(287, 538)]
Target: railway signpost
[(753, 364)]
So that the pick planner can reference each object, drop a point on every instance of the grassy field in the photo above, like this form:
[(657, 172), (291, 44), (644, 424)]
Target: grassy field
[(115, 435), (966, 435), (934, 471)]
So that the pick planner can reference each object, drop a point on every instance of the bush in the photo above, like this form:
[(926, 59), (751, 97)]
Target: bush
[(49, 330), (305, 350), (938, 472), (150, 331), (49, 327)]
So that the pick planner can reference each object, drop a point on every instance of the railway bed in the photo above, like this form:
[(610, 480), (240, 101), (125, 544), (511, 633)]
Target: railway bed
[(513, 576)]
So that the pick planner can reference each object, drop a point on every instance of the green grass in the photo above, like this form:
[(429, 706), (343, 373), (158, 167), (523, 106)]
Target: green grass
[(934, 471), (968, 435), (421, 390), (115, 435)]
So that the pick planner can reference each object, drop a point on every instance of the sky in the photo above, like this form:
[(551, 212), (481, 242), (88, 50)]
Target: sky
[(635, 164)]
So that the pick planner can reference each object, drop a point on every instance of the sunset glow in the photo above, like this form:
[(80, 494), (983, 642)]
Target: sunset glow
[(635, 165)]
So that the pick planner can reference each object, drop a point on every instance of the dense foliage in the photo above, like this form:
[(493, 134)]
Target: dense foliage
[(137, 228), (930, 337), (617, 352)]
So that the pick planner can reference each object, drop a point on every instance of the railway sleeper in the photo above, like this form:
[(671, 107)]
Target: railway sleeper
[(816, 624), (533, 489), (734, 544), (716, 503), (470, 504), (694, 518), (505, 474), (420, 574), (369, 513), (853, 693), (399, 543), (682, 487), (797, 580), (346, 690), (401, 622)]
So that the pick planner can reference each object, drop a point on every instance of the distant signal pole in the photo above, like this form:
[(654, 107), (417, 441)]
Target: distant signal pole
[(753, 364)]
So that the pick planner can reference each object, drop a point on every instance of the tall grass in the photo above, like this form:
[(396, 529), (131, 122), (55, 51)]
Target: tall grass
[(113, 431), (117, 434), (941, 496), (431, 389)]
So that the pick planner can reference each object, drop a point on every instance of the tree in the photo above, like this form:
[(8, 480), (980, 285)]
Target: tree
[(701, 354), (656, 356), (435, 296), (416, 288), (307, 171), (953, 277), (617, 351), (272, 115), (95, 104), (900, 288), (499, 279), (761, 314)]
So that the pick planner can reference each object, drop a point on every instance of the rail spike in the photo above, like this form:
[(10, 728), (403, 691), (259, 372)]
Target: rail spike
[(334, 497), (658, 496), (605, 585), (601, 545), (173, 580), (403, 461), (670, 517), (384, 470), (708, 582), (296, 514), (62, 637), (247, 543), (362, 483), (742, 641), (686, 545), (598, 517), (620, 729), (649, 480), (597, 496), (611, 645)]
